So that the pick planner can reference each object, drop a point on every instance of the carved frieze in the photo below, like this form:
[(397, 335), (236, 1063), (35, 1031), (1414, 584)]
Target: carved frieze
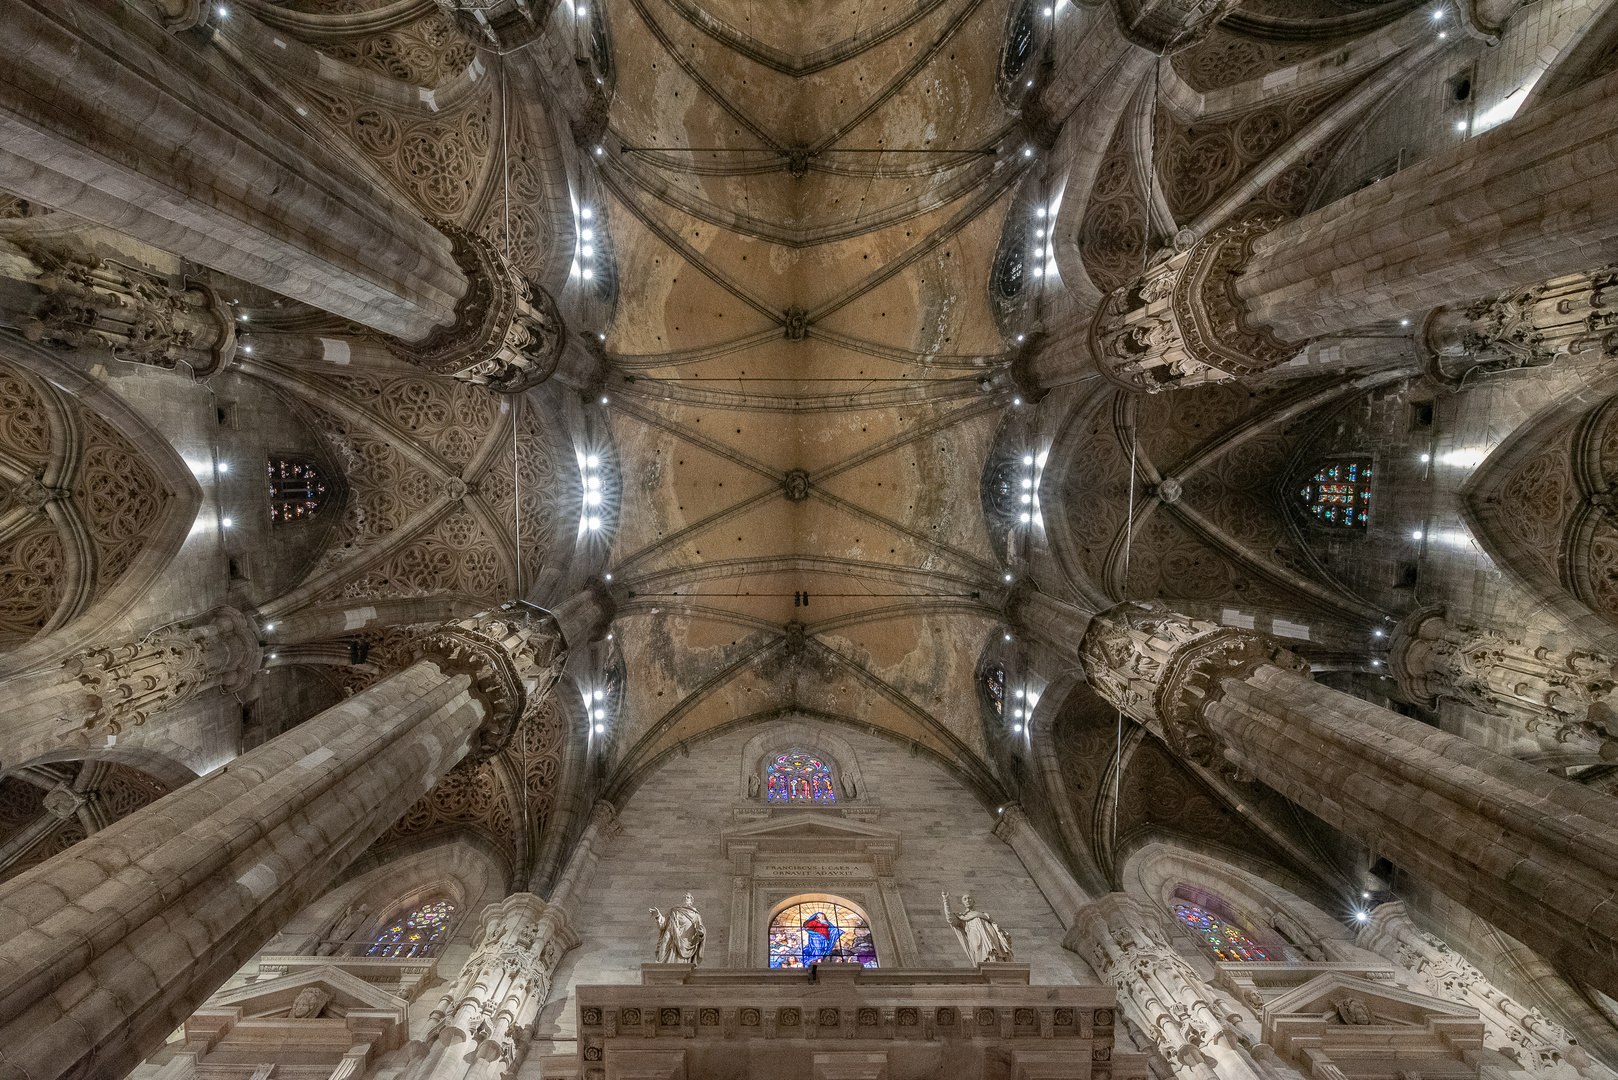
[(1182, 324)]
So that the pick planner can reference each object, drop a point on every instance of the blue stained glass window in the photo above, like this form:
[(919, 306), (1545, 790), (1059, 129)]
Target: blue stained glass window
[(417, 934), (820, 932), (1228, 942), (799, 777), (296, 490), (1339, 494)]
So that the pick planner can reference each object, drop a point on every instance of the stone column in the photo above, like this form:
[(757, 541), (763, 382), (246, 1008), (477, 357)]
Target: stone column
[(1160, 992), (1563, 698), (102, 692), (1533, 200), (481, 1025), (1536, 1044), (1053, 879), (109, 117), (105, 951), (1055, 623), (1532, 853)]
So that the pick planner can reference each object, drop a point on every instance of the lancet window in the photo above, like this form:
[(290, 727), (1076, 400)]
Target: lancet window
[(994, 684), (297, 490), (1339, 494), (1227, 940), (417, 934), (820, 932), (799, 777)]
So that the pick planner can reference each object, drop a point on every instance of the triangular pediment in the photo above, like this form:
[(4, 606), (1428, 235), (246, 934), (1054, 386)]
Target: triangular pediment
[(1388, 1003), (274, 997), (798, 830)]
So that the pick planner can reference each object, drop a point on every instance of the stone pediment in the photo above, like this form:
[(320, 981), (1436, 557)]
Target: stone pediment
[(1371, 1027), (274, 998), (804, 831)]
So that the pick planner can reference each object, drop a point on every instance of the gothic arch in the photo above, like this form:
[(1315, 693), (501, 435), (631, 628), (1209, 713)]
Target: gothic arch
[(82, 475), (463, 873), (780, 736), (1160, 872), (1537, 506)]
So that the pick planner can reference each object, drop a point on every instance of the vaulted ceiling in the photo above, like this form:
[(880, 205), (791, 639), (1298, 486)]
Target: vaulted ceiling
[(805, 202)]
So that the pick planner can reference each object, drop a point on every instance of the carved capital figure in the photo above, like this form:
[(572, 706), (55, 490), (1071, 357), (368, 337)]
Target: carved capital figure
[(1524, 328), (507, 333), (123, 685), (510, 654), (1567, 697), (1182, 324), (1163, 668), (78, 300)]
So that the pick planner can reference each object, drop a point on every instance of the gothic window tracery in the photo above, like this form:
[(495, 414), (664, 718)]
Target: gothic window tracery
[(820, 931), (796, 776), (1338, 493), (1226, 939), (297, 490), (417, 934)]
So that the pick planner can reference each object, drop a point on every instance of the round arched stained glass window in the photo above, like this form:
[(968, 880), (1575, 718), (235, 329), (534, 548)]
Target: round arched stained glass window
[(820, 932), (417, 934), (799, 777), (1227, 941)]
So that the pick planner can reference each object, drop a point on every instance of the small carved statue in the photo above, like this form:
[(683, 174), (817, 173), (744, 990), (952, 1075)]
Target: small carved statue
[(343, 929), (752, 786), (309, 1003), (984, 942), (1296, 935), (1352, 1010), (679, 934)]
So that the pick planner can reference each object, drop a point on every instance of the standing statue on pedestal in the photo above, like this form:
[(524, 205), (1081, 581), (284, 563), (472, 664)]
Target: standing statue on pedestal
[(679, 934), (984, 942)]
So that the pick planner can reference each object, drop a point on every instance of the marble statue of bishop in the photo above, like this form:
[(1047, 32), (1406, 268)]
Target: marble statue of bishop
[(984, 942), (679, 934)]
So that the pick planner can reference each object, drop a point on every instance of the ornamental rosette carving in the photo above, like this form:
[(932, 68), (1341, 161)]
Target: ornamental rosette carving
[(507, 335), (510, 654), (1163, 669), (1181, 323)]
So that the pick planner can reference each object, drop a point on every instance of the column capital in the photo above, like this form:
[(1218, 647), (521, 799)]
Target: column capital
[(513, 654), (507, 333), (1181, 323), (1163, 669)]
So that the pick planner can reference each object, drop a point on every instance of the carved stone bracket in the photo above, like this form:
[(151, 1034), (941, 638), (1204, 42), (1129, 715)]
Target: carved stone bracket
[(1163, 669), (507, 333), (1167, 26), (1181, 323), (510, 654)]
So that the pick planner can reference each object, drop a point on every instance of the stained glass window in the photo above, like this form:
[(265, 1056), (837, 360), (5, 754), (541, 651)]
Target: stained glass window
[(296, 490), (1340, 494), (417, 934), (799, 777), (820, 932), (1228, 942), (994, 682)]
